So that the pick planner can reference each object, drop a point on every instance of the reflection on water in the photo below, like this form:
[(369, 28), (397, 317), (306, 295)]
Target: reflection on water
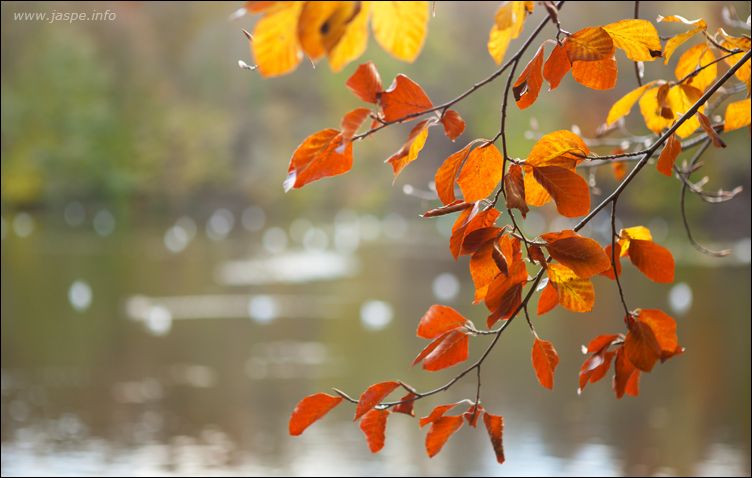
[(182, 349)]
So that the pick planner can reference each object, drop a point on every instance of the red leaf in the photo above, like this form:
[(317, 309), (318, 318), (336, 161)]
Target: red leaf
[(668, 155), (595, 368), (548, 299), (447, 173), (449, 349), (453, 123), (569, 189), (469, 221), (472, 414), (545, 360), (641, 346), (495, 426), (320, 155), (373, 396), (600, 342), (439, 433), (436, 413), (403, 98), (655, 261), (406, 407), (626, 376), (438, 320), (528, 85), (352, 121), (310, 409), (581, 254), (514, 187), (366, 83), (373, 425)]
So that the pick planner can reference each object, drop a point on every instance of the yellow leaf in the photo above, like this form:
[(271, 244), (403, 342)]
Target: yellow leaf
[(651, 111), (638, 233), (498, 42), (675, 42), (638, 38), (400, 27), (680, 99), (275, 41), (558, 149), (697, 57), (535, 194), (353, 42), (737, 115), (740, 43), (318, 19), (574, 293), (624, 105), (508, 24)]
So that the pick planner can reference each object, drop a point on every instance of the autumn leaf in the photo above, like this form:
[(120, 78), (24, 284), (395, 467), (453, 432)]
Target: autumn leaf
[(529, 83), (439, 433), (595, 368), (616, 263), (738, 43), (624, 105), (508, 25), (626, 235), (545, 359), (320, 155), (737, 115), (472, 415), (309, 410), (400, 27), (321, 25), (352, 122), (668, 155), (406, 405), (453, 123), (569, 191), (438, 320), (560, 148), (403, 98), (676, 41), (412, 147), (680, 99), (480, 173), (626, 375), (484, 268), (373, 396), (573, 293), (556, 67), (655, 261), (597, 75), (637, 38), (504, 295), (581, 254), (366, 83), (589, 44), (468, 221), (495, 427), (700, 58), (373, 425), (436, 413), (447, 172), (353, 41), (514, 187), (275, 43), (549, 298), (455, 206), (651, 337), (448, 349), (707, 126)]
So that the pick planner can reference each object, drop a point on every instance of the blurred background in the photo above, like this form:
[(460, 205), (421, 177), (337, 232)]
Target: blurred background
[(165, 305)]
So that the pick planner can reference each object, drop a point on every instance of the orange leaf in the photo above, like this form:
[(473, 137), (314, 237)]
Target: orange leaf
[(406, 407), (453, 123), (641, 345), (560, 148), (495, 427), (366, 83), (449, 349), (556, 67), (710, 131), (548, 299), (601, 342), (320, 155), (610, 271), (504, 294), (597, 75), (589, 44), (479, 238), (696, 58), (439, 433), (309, 410), (373, 396), (514, 187), (447, 172), (436, 413), (438, 320), (595, 368), (528, 85), (664, 330), (581, 254), (568, 189), (373, 425), (655, 261), (626, 376), (545, 360), (676, 41), (455, 206), (573, 293), (624, 105), (481, 173), (469, 221), (737, 115), (412, 147), (352, 121), (403, 98), (668, 155), (484, 269)]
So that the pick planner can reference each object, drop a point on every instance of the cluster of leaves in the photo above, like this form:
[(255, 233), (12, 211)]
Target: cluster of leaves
[(500, 256)]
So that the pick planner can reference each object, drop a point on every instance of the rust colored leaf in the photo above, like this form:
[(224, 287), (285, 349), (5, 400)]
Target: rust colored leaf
[(504, 294), (438, 320), (556, 67), (366, 83), (449, 349), (535, 253), (495, 427), (309, 410), (373, 425), (545, 360), (626, 376), (450, 208), (447, 173), (529, 83), (663, 327), (581, 254), (373, 396), (439, 433), (595, 368), (481, 173), (597, 75), (469, 221), (655, 261), (478, 238), (514, 187), (589, 44), (352, 121), (601, 342), (406, 407), (453, 123), (320, 155), (641, 346), (710, 131), (668, 155), (412, 147), (548, 299), (737, 115), (436, 413), (403, 98), (568, 189), (472, 415)]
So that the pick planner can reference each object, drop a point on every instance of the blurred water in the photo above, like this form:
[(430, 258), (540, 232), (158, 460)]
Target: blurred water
[(150, 352)]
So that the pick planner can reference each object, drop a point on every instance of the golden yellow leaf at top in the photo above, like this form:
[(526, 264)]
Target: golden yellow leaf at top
[(676, 41), (699, 56), (680, 99), (574, 293), (400, 27), (319, 20), (353, 42), (638, 38), (508, 25), (624, 105), (589, 44), (737, 115), (639, 233), (275, 43)]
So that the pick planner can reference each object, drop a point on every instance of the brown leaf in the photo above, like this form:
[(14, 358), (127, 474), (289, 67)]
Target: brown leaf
[(711, 132), (514, 187)]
